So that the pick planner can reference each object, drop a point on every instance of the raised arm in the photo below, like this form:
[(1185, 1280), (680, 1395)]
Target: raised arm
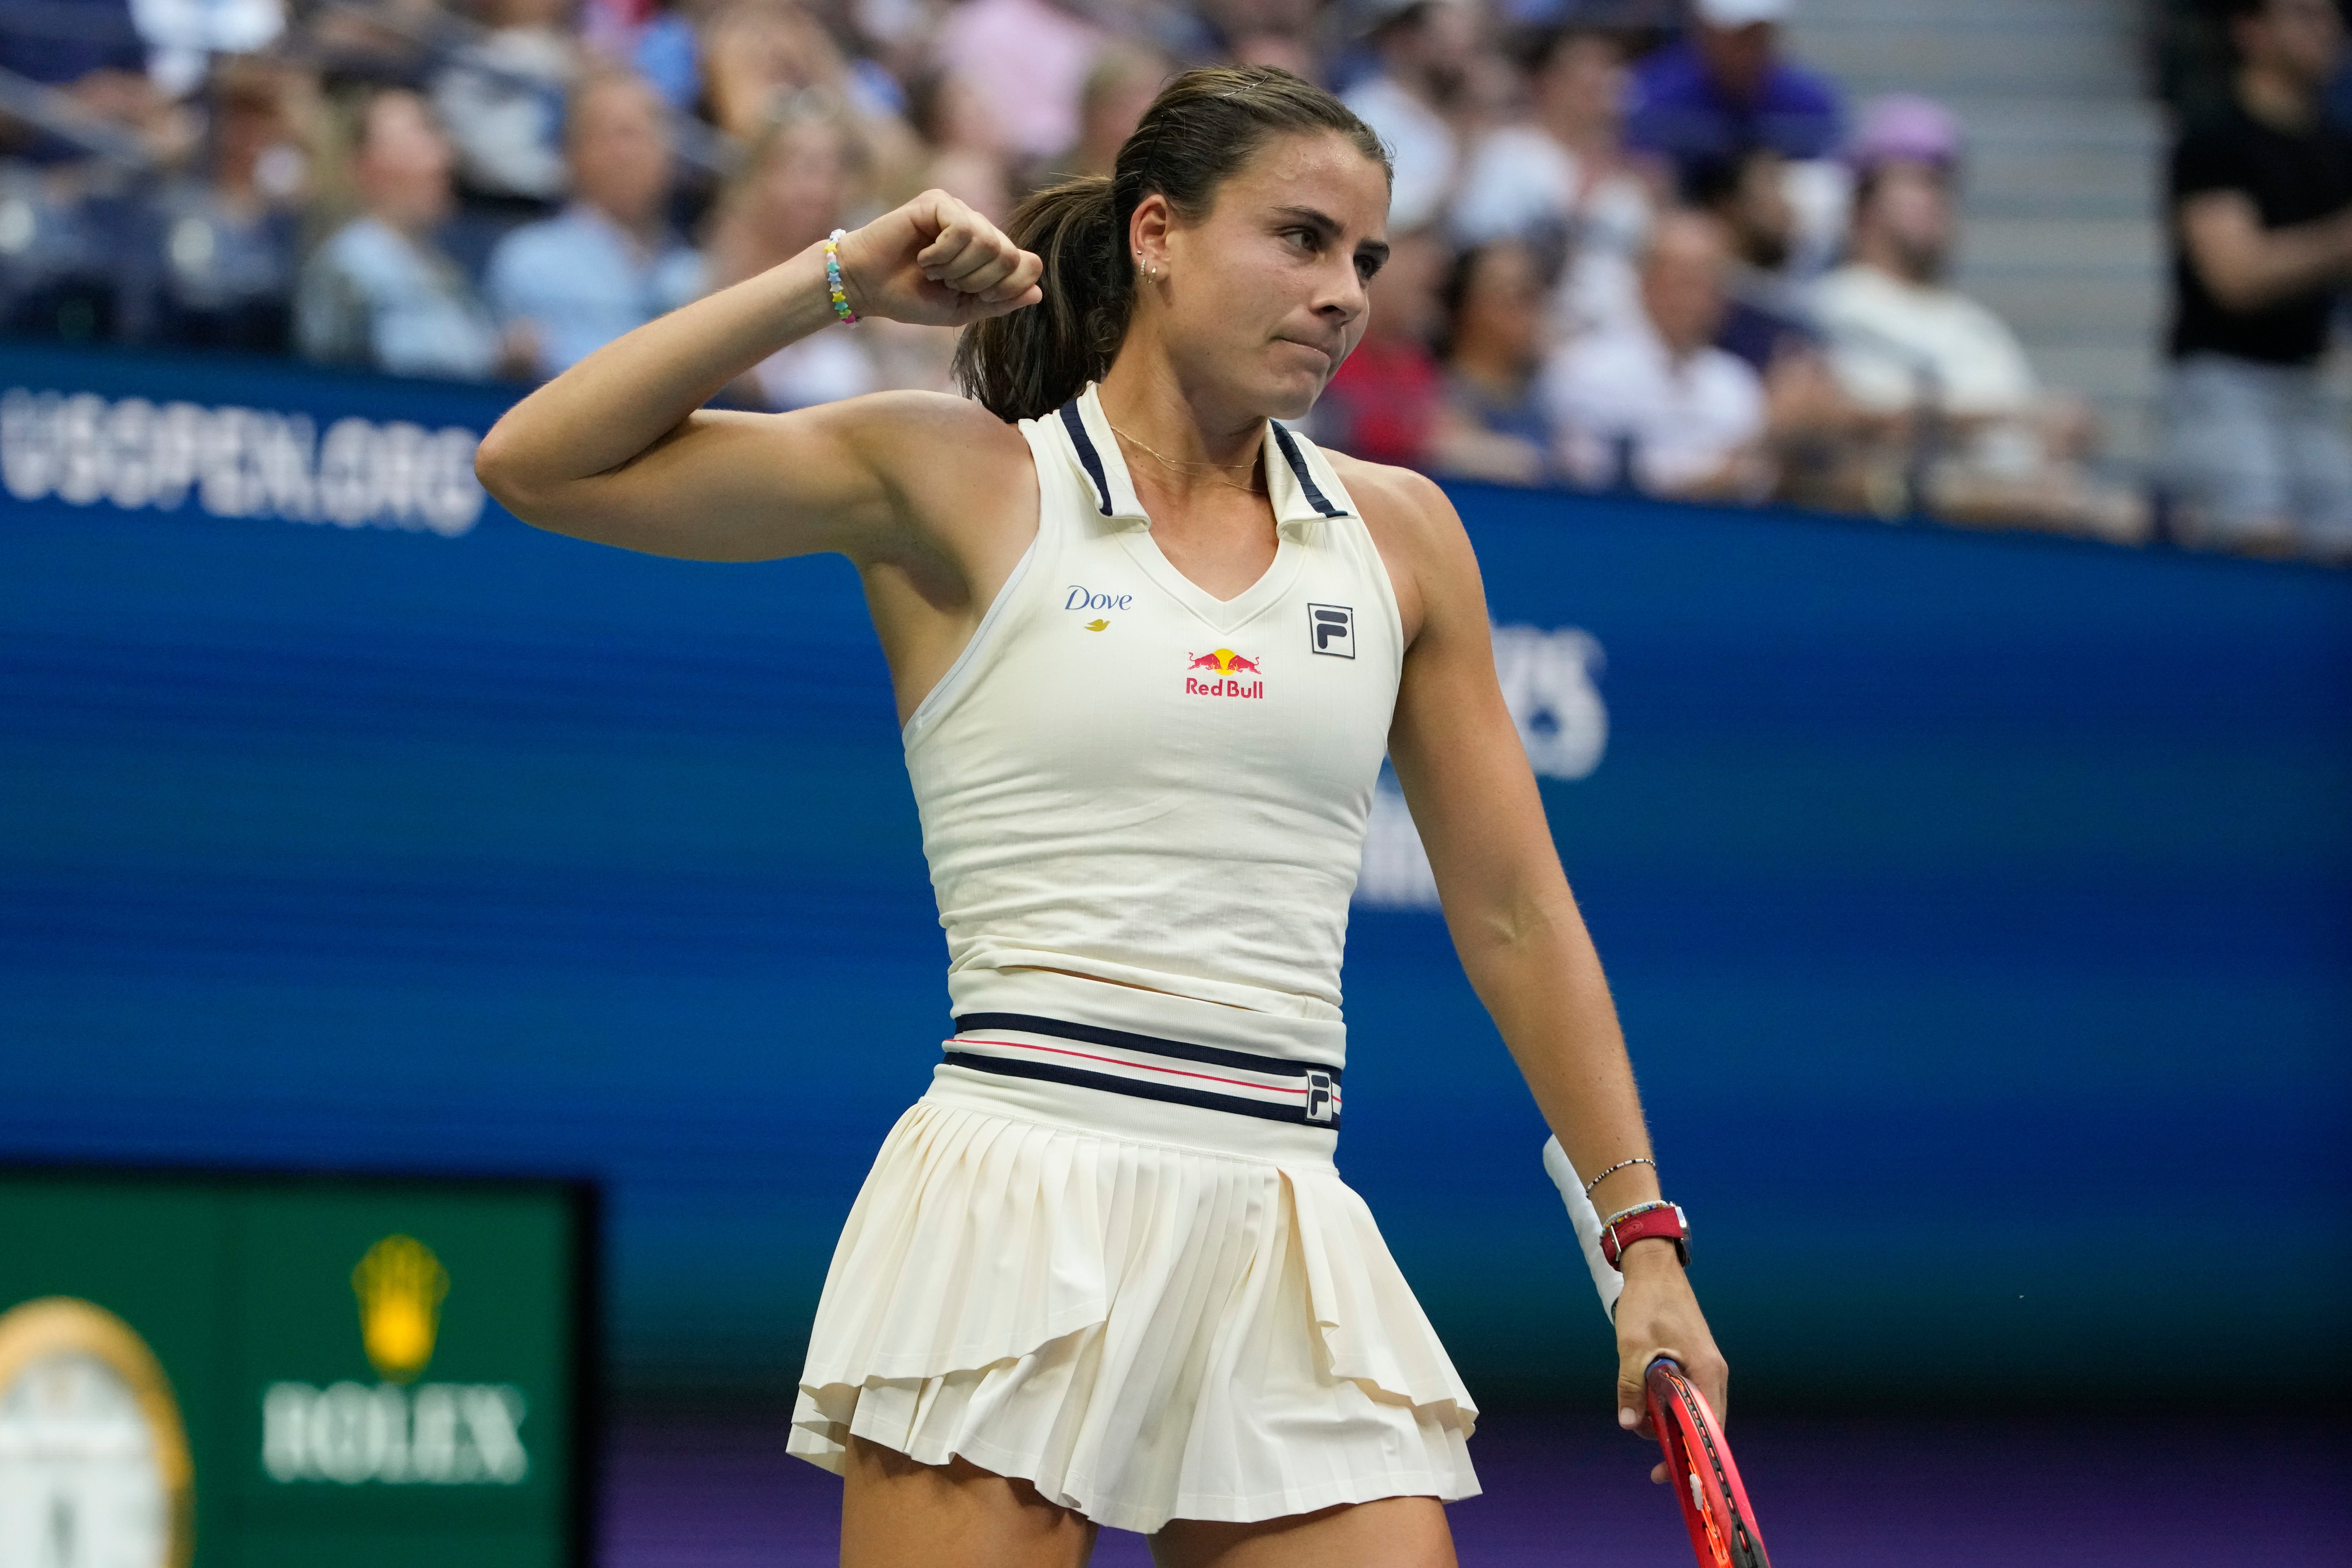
[(620, 449), (1514, 921)]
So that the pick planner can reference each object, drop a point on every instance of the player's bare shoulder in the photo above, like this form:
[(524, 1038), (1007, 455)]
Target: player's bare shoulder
[(919, 434), (1419, 534)]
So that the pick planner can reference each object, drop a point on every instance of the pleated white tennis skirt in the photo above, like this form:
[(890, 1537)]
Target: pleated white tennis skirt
[(1150, 1311)]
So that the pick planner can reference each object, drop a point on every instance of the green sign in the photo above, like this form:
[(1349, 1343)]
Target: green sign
[(221, 1372)]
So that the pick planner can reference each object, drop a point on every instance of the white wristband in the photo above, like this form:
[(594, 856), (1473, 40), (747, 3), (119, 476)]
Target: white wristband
[(1587, 1220)]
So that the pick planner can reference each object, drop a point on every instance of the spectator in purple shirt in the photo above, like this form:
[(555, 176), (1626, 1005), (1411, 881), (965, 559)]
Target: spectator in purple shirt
[(1724, 87)]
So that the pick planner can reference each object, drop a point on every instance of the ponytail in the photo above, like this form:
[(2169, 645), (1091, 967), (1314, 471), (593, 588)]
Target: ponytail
[(1028, 363), (1203, 127)]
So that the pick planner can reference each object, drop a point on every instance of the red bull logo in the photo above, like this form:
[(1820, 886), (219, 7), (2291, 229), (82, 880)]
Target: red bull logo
[(1226, 666)]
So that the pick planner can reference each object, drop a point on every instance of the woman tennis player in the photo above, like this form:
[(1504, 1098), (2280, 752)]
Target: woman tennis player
[(1149, 648)]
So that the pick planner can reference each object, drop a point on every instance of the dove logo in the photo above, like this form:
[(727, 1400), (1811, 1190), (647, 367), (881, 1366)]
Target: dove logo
[(1081, 597)]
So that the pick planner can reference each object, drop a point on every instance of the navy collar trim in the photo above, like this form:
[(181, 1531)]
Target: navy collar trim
[(1087, 456), (1297, 461), (1108, 499)]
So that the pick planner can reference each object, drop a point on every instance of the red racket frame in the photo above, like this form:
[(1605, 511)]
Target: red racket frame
[(1700, 1469)]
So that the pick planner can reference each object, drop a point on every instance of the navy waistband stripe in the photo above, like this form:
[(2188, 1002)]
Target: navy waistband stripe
[(1172, 1094), (1093, 1035)]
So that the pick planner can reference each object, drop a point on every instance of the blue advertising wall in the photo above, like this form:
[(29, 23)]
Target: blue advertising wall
[(1978, 907)]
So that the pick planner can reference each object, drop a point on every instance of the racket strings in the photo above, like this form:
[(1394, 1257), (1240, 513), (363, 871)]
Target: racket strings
[(1715, 1541)]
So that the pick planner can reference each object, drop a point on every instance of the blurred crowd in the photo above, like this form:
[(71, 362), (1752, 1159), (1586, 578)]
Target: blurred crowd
[(1638, 245)]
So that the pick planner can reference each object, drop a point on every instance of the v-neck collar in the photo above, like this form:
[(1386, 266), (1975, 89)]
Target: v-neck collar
[(1299, 481), (1302, 499)]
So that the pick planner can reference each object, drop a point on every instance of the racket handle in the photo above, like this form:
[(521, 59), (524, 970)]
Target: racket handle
[(1658, 1381)]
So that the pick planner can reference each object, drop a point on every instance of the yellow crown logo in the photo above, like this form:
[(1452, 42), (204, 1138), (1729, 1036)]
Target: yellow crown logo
[(400, 1285)]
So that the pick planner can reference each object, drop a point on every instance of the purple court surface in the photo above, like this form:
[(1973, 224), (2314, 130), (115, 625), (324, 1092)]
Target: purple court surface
[(719, 1492)]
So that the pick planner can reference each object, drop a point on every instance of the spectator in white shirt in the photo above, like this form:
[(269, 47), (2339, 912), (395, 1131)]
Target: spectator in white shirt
[(1933, 373), (1563, 177), (1652, 404), (1900, 337), (1425, 49)]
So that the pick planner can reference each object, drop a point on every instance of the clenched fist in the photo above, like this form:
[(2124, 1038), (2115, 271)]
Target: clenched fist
[(936, 263)]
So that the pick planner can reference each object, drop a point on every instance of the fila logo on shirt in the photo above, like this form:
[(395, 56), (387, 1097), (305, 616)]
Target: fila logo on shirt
[(1331, 628)]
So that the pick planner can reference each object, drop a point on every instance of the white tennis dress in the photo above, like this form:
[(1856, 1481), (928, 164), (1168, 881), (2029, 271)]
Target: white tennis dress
[(1108, 1252)]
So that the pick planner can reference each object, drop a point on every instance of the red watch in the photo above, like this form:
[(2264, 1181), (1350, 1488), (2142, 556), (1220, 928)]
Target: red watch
[(1643, 1222)]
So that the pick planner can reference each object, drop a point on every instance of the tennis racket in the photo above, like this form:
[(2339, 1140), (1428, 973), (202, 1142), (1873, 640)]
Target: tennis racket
[(1699, 1468)]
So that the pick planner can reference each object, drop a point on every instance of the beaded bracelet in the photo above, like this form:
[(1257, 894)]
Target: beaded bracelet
[(833, 287), (1623, 1214), (1636, 1160)]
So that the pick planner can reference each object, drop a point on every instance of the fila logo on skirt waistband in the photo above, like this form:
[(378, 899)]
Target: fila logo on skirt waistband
[(1022, 1044)]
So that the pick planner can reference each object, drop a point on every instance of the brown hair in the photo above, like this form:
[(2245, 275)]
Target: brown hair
[(1202, 128)]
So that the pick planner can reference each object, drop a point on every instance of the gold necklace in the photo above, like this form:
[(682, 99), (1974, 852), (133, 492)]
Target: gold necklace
[(1180, 463)]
